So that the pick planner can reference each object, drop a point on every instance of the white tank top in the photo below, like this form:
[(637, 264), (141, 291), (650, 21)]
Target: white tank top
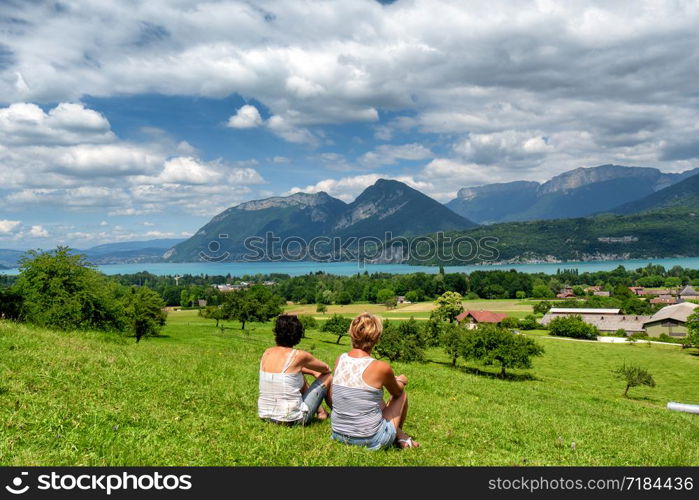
[(280, 394)]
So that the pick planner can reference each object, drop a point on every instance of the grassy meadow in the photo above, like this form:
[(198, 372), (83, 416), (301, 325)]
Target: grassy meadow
[(189, 398)]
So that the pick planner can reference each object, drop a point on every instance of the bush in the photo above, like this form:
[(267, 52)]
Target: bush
[(542, 307), (574, 327), (10, 304), (510, 322), (620, 333), (401, 342), (308, 321), (634, 376), (542, 292), (321, 308), (490, 345), (337, 325), (472, 296), (528, 323), (432, 331)]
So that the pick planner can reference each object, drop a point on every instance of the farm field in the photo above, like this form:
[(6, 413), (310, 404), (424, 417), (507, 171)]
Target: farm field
[(189, 398), (420, 310)]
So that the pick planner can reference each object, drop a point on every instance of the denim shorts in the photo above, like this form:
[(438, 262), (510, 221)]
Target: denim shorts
[(312, 399), (384, 438)]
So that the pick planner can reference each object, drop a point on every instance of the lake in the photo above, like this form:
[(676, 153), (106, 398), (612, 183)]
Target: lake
[(348, 268)]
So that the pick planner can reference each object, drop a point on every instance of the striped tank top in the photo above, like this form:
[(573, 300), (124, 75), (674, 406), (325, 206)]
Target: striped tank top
[(280, 396), (356, 405)]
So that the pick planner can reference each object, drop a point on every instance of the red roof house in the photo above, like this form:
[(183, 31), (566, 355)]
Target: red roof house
[(474, 318)]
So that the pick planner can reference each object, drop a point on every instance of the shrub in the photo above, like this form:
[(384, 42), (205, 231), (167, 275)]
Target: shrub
[(574, 327), (472, 296), (489, 345), (634, 376), (401, 342), (10, 304), (542, 307), (337, 325), (620, 333), (528, 323), (510, 322), (308, 322)]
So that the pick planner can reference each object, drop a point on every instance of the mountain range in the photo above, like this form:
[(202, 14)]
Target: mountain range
[(576, 193), (386, 207)]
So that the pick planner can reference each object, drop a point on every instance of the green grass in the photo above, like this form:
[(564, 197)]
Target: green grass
[(189, 398)]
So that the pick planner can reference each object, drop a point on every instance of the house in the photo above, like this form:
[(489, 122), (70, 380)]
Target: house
[(601, 293), (646, 292), (471, 319), (400, 299), (637, 290), (593, 289), (606, 320), (670, 320), (202, 302), (667, 300), (689, 293), (565, 293)]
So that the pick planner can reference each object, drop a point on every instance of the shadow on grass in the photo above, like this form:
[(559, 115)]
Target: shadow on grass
[(512, 377)]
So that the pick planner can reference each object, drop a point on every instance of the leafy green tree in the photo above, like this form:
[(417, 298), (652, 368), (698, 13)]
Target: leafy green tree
[(528, 323), (213, 312), (337, 325), (387, 297), (574, 327), (542, 292), (321, 308), (578, 290), (401, 341), (634, 376), (308, 322), (449, 306), (184, 298), (520, 294), (61, 290), (144, 312), (490, 345), (693, 329), (542, 307), (344, 298), (452, 340), (413, 296), (256, 304), (432, 331)]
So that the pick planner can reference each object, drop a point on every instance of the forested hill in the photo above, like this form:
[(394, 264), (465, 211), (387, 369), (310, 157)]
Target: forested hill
[(667, 233)]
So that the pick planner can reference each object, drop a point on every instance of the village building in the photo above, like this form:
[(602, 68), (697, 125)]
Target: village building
[(566, 293), (667, 300), (670, 320), (606, 320), (637, 290), (689, 293), (471, 319), (400, 299), (602, 293)]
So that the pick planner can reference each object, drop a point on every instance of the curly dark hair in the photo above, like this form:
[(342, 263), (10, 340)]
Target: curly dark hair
[(288, 330)]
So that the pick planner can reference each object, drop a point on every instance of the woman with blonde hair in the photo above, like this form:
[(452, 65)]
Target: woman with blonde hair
[(360, 416)]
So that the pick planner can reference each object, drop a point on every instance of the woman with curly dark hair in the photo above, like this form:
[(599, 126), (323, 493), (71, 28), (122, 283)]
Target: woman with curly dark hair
[(285, 397)]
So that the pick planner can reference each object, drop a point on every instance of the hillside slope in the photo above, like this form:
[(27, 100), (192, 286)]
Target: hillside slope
[(683, 195)]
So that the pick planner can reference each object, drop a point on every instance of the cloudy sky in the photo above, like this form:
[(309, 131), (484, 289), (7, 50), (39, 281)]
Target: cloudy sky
[(123, 119)]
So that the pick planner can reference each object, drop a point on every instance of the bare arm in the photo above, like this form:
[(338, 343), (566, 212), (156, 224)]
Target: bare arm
[(310, 365), (394, 385)]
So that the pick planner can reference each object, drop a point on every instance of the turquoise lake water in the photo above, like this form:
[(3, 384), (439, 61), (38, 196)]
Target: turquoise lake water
[(348, 268)]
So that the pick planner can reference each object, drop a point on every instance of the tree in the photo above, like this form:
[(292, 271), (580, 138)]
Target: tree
[(401, 342), (542, 307), (61, 290), (634, 376), (542, 292), (337, 325), (452, 340), (387, 297), (344, 298), (574, 327), (321, 308), (184, 298), (413, 296), (449, 306), (257, 303), (528, 323), (490, 344), (578, 290), (693, 328), (213, 312), (144, 310), (520, 294), (509, 322), (10, 304), (308, 322)]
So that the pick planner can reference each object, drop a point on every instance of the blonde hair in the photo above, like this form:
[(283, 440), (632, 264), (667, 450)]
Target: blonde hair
[(365, 331)]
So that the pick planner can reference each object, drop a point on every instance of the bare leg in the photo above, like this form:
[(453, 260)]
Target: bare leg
[(395, 412)]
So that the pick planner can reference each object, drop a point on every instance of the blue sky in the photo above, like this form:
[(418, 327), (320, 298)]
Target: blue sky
[(151, 117)]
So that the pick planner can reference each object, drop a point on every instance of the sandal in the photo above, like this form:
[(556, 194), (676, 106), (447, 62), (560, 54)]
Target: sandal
[(407, 443)]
